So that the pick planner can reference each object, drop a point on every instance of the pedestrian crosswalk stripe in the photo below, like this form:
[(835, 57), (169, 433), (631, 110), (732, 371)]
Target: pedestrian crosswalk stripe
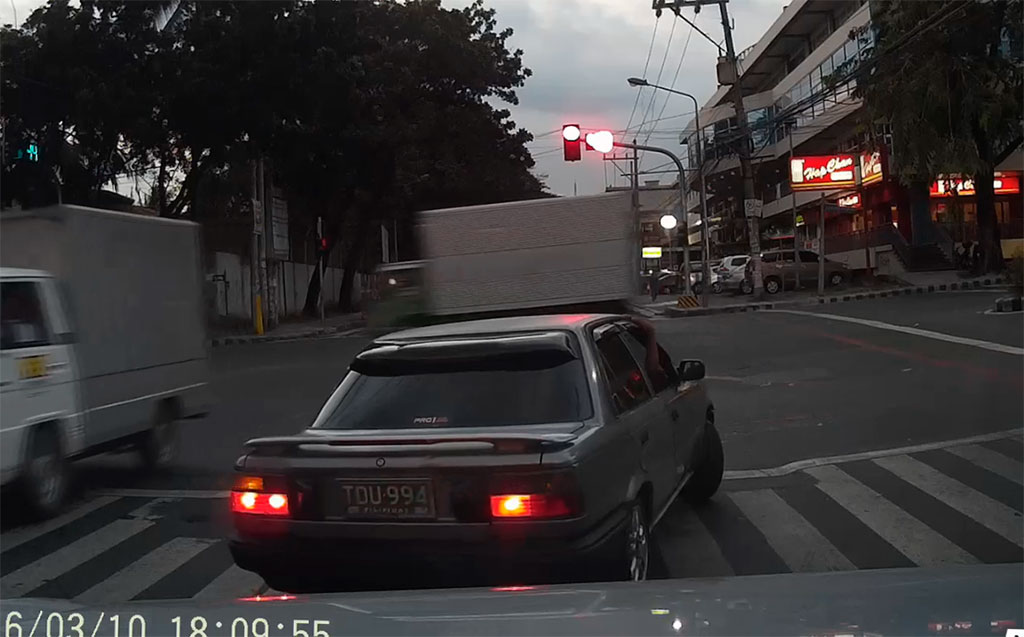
[(37, 573), (994, 515), (992, 461), (144, 572), (799, 544), (900, 529), (17, 537), (234, 582), (690, 551)]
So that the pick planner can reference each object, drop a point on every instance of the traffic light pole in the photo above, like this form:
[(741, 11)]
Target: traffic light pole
[(682, 206), (320, 264)]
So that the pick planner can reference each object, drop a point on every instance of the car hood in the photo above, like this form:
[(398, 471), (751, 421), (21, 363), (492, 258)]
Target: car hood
[(979, 599)]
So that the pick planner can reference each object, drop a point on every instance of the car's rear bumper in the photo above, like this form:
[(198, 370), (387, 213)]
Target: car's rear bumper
[(312, 548)]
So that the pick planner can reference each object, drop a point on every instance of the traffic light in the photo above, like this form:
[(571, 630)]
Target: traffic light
[(571, 142), (602, 141)]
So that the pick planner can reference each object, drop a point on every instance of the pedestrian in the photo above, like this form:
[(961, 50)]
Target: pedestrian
[(653, 284)]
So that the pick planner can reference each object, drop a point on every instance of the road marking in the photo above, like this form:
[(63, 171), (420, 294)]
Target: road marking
[(146, 571), (992, 461), (798, 543), (17, 537), (801, 465), (233, 583), (47, 568), (693, 552), (906, 533), (939, 336), (149, 510), (197, 494), (975, 505)]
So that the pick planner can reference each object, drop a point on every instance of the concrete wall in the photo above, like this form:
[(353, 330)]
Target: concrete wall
[(232, 297)]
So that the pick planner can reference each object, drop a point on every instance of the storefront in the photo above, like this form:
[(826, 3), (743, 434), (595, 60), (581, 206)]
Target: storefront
[(954, 207)]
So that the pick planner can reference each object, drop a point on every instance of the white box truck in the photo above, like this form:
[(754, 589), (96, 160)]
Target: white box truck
[(103, 341), (538, 253)]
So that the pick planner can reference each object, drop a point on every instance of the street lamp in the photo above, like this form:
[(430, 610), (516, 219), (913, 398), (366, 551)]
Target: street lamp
[(668, 222), (706, 243)]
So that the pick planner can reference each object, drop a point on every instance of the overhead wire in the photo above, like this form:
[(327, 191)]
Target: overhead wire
[(647, 62)]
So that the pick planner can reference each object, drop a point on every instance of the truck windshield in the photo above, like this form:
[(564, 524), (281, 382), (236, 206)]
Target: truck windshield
[(476, 398)]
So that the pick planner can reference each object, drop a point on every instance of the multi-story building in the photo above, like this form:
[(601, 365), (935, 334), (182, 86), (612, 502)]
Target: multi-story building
[(798, 105)]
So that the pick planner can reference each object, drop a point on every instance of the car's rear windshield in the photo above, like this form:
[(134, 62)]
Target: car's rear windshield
[(529, 393)]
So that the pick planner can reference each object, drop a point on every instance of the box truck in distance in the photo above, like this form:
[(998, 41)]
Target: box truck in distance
[(529, 255), (103, 341)]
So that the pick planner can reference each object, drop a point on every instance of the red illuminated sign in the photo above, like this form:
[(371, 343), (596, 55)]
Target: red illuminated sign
[(1003, 184), (822, 172), (871, 168), (850, 201)]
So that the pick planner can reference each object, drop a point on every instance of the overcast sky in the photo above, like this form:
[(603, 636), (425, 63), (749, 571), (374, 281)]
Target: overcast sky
[(581, 52)]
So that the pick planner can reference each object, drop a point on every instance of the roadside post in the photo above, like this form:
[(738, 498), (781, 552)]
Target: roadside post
[(821, 247), (320, 266)]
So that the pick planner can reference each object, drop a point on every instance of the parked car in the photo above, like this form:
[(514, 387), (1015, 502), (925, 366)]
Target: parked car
[(730, 272), (697, 276), (428, 449), (779, 270)]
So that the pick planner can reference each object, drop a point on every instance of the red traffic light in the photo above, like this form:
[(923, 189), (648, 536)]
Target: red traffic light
[(571, 142), (602, 141), (323, 244)]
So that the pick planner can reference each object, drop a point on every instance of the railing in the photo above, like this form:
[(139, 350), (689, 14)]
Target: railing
[(855, 240)]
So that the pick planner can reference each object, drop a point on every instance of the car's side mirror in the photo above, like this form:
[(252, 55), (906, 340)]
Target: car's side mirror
[(691, 370)]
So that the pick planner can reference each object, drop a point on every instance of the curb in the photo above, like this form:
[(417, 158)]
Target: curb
[(972, 284), (1008, 304), (318, 332)]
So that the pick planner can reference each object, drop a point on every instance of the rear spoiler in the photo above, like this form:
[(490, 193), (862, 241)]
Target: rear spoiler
[(447, 444)]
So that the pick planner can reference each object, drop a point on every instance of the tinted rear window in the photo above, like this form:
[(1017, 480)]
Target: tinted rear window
[(475, 398)]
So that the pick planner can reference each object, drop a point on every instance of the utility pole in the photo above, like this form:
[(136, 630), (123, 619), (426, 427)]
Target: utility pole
[(731, 67), (792, 194), (746, 170), (255, 263)]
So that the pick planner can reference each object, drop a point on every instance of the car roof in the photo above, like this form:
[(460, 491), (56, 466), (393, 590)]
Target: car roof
[(570, 322), (22, 273)]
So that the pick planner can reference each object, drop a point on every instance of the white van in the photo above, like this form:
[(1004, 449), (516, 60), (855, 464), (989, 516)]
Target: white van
[(103, 341)]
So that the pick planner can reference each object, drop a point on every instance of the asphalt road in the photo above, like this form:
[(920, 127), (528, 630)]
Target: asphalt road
[(788, 386)]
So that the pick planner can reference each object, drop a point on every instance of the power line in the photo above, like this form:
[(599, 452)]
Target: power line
[(675, 76), (647, 62), (661, 69)]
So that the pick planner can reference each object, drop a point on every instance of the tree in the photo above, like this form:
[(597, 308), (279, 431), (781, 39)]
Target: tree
[(947, 76)]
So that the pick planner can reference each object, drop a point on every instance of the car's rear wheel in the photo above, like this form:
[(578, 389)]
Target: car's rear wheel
[(633, 553), (747, 287), (708, 476), (835, 279), (46, 473), (716, 287), (772, 285)]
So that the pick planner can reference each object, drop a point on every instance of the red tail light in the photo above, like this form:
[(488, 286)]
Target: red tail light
[(529, 506), (259, 503), (255, 496)]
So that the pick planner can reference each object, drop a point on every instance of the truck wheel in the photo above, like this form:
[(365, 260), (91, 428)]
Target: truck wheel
[(772, 285), (633, 551), (159, 444), (708, 476), (46, 472)]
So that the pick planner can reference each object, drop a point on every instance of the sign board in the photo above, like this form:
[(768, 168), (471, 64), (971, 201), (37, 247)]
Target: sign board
[(946, 186), (822, 172), (257, 216), (843, 210), (850, 201), (651, 253), (800, 220), (281, 246), (752, 207), (871, 168)]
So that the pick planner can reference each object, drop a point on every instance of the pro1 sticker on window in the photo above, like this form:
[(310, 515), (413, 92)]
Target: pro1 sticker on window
[(430, 420)]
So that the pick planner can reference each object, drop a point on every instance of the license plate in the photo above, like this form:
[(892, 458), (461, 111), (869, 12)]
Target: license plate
[(31, 367), (383, 499)]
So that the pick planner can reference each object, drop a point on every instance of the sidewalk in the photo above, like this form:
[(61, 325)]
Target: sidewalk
[(293, 329), (924, 282)]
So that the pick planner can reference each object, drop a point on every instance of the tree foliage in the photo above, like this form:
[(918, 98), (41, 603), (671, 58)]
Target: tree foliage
[(366, 111), (947, 76)]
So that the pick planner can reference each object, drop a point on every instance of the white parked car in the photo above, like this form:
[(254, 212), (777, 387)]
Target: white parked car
[(731, 272)]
